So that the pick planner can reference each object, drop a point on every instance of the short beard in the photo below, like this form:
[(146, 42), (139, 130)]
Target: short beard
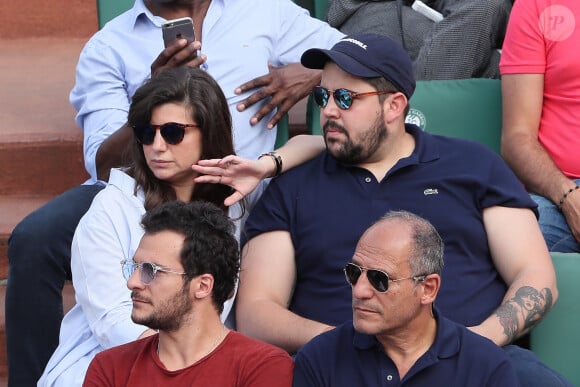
[(169, 316), (367, 144)]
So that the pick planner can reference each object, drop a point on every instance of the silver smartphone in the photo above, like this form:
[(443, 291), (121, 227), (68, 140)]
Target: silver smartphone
[(181, 28)]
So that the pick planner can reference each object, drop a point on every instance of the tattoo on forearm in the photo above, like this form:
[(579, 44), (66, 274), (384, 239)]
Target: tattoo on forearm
[(524, 310)]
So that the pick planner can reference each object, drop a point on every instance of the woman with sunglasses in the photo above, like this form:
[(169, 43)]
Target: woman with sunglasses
[(179, 117)]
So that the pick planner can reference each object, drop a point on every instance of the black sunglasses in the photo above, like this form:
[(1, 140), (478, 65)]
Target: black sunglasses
[(172, 132), (148, 270), (342, 97), (377, 278)]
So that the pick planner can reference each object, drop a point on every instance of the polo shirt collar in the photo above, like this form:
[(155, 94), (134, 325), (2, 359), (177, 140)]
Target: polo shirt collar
[(447, 342)]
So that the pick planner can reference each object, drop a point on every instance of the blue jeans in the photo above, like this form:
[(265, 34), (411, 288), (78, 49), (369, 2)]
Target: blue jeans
[(39, 259), (531, 371), (556, 232)]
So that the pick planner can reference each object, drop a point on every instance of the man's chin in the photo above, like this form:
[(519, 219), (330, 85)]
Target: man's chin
[(141, 320), (364, 327), (334, 148)]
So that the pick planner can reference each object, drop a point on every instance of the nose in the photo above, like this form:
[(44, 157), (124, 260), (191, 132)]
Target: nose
[(329, 112), (362, 289), (158, 141), (134, 282)]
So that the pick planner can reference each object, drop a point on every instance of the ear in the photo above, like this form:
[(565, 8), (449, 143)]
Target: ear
[(394, 106), (431, 286), (202, 286)]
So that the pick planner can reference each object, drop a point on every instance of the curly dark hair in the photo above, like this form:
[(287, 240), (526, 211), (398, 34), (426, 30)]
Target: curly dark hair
[(209, 247)]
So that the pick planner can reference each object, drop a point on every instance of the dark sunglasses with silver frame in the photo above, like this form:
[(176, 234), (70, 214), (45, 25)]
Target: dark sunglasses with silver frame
[(377, 278)]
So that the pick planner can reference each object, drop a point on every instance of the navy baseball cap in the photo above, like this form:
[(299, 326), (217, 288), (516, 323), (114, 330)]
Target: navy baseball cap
[(367, 56)]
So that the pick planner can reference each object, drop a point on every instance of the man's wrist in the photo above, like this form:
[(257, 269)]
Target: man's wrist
[(277, 162), (565, 195)]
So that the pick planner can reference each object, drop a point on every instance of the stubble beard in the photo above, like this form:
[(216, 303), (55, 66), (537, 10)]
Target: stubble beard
[(349, 152), (168, 317)]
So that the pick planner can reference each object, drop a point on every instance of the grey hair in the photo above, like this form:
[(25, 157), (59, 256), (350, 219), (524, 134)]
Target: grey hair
[(426, 255)]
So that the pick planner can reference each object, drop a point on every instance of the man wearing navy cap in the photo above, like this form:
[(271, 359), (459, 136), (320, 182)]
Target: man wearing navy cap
[(306, 226)]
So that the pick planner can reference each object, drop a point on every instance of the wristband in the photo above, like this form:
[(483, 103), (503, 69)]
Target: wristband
[(277, 161), (565, 195)]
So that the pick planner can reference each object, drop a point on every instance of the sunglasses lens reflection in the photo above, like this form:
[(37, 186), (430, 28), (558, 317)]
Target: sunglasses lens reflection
[(320, 96), (343, 98)]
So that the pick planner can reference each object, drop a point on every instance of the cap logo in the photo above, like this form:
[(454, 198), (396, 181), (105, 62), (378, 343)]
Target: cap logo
[(354, 41)]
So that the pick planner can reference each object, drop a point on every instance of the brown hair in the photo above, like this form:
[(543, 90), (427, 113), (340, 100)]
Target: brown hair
[(200, 93)]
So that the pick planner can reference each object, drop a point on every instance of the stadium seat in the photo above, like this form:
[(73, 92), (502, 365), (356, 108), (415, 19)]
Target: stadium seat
[(108, 9), (556, 340), (464, 108)]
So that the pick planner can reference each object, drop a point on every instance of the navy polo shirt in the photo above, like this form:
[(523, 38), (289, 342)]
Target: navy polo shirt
[(457, 357), (326, 206)]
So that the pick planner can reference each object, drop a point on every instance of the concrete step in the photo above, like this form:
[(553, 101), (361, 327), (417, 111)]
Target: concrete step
[(55, 18), (40, 144)]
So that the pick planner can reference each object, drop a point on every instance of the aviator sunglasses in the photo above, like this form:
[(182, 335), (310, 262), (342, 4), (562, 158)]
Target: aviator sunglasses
[(148, 270), (342, 97), (172, 132), (377, 278)]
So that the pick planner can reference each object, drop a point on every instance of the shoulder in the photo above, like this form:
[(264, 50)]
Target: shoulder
[(295, 180), (113, 366), (114, 33), (126, 353), (117, 200), (460, 146), (303, 176), (117, 193), (472, 345), (462, 154), (324, 346), (120, 186), (247, 346)]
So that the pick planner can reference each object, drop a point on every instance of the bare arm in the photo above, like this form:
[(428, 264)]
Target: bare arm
[(267, 279), (522, 259), (244, 175), (522, 96)]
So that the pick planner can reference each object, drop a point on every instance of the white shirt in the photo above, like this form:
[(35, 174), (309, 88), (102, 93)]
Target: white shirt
[(240, 38), (109, 232)]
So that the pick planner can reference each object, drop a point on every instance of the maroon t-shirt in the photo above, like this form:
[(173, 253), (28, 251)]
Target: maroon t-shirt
[(237, 361)]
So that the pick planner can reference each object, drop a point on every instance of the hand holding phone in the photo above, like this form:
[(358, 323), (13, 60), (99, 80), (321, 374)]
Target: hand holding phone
[(181, 28)]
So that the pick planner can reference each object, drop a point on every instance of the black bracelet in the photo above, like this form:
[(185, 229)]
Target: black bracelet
[(565, 195), (277, 161)]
